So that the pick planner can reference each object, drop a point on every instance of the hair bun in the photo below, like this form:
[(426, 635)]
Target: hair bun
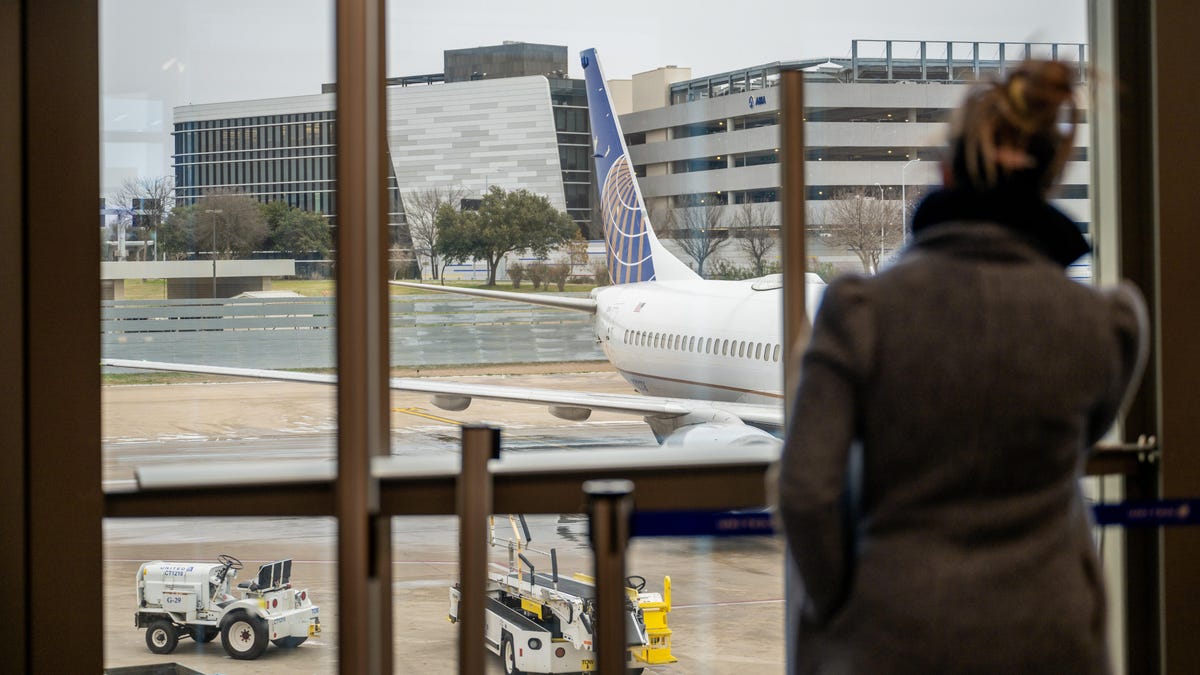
[(1011, 130), (1038, 90)]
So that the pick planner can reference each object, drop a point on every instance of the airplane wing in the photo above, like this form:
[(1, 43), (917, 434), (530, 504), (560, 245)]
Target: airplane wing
[(543, 299), (571, 405)]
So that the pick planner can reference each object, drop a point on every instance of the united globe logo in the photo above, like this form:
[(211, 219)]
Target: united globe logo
[(625, 234)]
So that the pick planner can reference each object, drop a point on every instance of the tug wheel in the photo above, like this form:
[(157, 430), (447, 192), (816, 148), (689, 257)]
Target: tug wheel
[(161, 637), (229, 561), (244, 637), (508, 655)]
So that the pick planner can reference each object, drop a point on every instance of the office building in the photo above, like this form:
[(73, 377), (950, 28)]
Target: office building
[(517, 124)]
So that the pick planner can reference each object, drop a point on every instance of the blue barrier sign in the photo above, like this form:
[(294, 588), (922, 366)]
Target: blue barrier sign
[(1150, 513), (701, 523), (759, 522)]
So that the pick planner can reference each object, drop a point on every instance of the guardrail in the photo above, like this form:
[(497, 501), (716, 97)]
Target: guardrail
[(299, 332)]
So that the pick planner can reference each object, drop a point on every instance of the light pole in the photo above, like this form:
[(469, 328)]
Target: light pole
[(882, 224), (904, 201), (214, 250)]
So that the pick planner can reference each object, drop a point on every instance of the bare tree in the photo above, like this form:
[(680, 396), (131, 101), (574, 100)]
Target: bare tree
[(420, 210), (150, 199), (865, 225), (757, 232), (700, 234), (230, 222)]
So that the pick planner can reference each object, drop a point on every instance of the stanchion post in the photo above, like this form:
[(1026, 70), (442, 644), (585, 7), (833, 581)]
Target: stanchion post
[(479, 444), (610, 509)]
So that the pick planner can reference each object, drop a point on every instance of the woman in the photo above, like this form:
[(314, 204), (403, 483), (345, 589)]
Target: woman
[(929, 486)]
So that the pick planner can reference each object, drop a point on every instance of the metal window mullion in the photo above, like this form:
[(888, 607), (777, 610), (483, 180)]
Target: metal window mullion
[(364, 546), (795, 317)]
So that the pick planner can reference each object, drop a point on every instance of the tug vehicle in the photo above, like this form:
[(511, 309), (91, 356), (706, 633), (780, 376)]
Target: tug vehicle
[(194, 599), (540, 623)]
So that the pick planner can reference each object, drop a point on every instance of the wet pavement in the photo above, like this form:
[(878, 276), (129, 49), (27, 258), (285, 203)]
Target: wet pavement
[(728, 611)]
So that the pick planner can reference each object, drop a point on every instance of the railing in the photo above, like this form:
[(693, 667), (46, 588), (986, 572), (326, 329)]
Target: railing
[(298, 332)]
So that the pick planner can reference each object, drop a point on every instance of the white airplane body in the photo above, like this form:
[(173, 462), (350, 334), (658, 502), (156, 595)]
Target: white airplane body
[(712, 340), (705, 356)]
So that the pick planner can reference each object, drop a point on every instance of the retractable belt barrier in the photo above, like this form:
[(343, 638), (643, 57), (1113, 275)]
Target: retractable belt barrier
[(1148, 513), (1158, 513)]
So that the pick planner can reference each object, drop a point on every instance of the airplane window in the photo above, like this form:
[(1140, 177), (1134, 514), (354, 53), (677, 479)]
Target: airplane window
[(725, 348), (775, 356), (758, 350), (657, 341), (708, 346), (742, 348), (676, 344), (692, 344)]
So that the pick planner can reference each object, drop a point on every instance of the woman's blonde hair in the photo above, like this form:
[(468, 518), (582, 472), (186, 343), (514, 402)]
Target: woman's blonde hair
[(1022, 127)]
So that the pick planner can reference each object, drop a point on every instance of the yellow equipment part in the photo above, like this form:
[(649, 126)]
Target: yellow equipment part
[(654, 614), (532, 607), (658, 650)]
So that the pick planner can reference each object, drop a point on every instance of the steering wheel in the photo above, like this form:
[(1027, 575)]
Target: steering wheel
[(229, 561), (635, 582)]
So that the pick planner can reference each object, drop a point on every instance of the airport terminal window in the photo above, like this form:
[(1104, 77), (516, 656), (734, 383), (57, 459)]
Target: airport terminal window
[(867, 154), (699, 164), (756, 158), (287, 153), (755, 121), (698, 129)]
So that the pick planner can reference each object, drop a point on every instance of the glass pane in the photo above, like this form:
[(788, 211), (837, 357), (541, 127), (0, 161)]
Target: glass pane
[(476, 118), (216, 224)]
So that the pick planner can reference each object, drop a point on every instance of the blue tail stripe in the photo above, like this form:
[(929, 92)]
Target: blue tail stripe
[(624, 214)]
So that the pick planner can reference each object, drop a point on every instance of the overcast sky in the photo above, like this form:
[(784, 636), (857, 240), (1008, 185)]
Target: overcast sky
[(157, 54)]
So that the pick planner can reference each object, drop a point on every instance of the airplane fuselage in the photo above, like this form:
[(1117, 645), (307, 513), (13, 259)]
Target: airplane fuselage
[(715, 340)]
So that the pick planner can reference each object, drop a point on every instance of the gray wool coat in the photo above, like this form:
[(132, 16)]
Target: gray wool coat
[(929, 482)]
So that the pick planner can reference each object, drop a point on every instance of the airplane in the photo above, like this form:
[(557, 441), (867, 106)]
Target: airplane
[(705, 356)]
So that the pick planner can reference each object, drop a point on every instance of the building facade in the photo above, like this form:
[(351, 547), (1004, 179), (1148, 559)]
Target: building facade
[(875, 125), (504, 116), (518, 125)]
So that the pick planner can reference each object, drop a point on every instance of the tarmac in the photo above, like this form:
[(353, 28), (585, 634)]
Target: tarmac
[(727, 614)]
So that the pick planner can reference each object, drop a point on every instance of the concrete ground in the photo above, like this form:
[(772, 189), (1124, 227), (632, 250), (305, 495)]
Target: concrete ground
[(727, 593)]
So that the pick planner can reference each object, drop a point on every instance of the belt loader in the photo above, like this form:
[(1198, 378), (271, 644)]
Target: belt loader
[(540, 623)]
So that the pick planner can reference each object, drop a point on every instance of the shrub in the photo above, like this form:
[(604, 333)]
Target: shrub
[(600, 274), (516, 273), (536, 273), (826, 270), (557, 274)]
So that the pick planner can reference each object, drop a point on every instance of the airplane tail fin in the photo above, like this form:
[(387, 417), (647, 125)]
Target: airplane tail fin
[(634, 252)]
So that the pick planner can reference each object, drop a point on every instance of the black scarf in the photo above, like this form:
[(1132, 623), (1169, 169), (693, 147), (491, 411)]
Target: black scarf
[(1022, 211)]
